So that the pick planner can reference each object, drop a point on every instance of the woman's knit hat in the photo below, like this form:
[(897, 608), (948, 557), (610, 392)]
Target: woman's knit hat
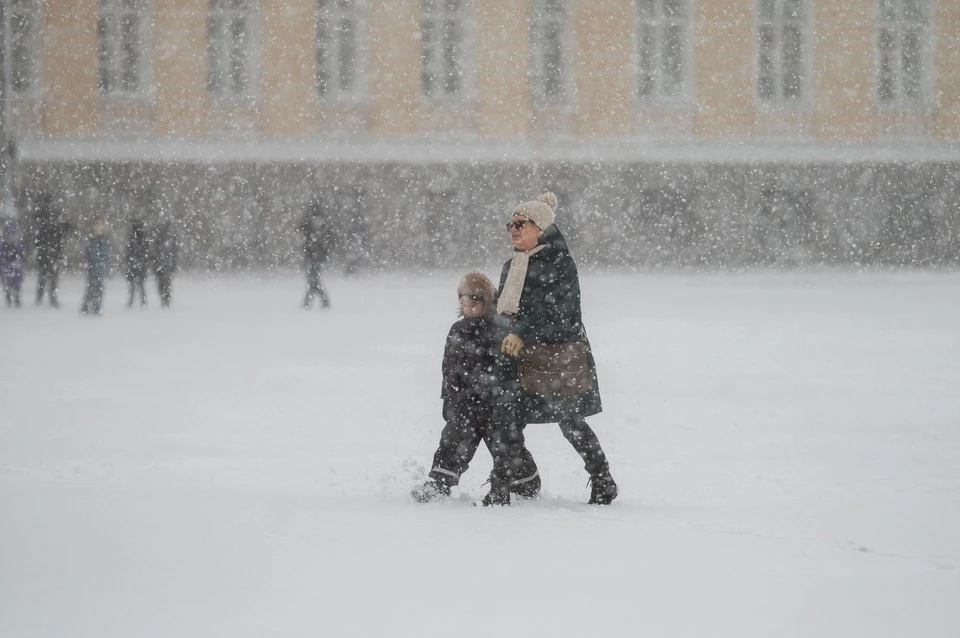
[(540, 211)]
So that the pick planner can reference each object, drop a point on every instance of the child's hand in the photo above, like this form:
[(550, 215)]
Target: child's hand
[(511, 345)]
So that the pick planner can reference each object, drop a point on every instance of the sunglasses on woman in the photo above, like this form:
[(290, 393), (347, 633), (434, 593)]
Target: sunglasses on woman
[(518, 224)]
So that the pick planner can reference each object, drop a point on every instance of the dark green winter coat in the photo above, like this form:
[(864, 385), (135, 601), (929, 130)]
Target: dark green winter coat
[(549, 312)]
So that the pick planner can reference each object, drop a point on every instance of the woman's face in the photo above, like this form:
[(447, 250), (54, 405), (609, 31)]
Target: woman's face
[(523, 233), (471, 305)]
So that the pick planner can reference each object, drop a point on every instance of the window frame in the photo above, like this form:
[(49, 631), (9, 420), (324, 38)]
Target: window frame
[(465, 17), (659, 23), (359, 92), (927, 52), (33, 46), (539, 19), (779, 101), (251, 91), (143, 11)]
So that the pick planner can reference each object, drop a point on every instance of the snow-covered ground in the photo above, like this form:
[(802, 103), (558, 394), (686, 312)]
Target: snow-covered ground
[(787, 448)]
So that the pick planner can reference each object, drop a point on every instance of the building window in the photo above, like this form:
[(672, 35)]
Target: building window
[(230, 38), (903, 44), (24, 46), (550, 35), (337, 70), (662, 48), (121, 40), (443, 42), (781, 51)]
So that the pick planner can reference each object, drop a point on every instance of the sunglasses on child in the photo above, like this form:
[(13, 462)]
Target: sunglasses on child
[(518, 224), (473, 298)]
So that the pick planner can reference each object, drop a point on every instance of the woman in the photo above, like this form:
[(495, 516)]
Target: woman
[(539, 307)]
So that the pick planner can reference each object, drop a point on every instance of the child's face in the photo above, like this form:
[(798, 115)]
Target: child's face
[(471, 305)]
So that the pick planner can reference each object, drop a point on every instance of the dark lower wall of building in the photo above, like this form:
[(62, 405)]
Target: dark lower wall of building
[(423, 216)]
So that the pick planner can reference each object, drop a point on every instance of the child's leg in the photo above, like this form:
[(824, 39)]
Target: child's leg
[(527, 481), (459, 441), (526, 476)]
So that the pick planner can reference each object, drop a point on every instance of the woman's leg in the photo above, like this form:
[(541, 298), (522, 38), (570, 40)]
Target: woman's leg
[(603, 489), (583, 439)]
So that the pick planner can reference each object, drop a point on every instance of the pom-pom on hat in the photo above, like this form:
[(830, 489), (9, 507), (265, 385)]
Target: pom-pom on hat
[(540, 211)]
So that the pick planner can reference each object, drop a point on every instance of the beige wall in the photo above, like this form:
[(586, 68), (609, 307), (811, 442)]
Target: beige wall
[(180, 67), (844, 69), (947, 62), (70, 67), (503, 54), (287, 69), (723, 54), (842, 105), (605, 87), (394, 67)]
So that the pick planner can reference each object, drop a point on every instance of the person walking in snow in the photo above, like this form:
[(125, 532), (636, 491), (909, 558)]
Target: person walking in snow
[(317, 240), (544, 366), (97, 254), (51, 233), (165, 252), (467, 396), (13, 259), (135, 261)]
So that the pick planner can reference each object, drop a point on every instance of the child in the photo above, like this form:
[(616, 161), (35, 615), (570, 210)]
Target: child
[(467, 395), (13, 256)]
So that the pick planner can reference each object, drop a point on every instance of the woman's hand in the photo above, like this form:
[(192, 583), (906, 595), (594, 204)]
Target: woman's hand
[(511, 345)]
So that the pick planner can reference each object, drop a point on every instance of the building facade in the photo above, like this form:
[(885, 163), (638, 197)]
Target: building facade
[(676, 132)]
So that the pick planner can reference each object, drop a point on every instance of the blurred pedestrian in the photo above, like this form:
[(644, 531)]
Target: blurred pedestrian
[(467, 394), (544, 365), (165, 252), (13, 257), (50, 234), (317, 242), (135, 261), (97, 254)]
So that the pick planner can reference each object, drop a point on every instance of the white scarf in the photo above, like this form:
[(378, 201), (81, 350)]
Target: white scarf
[(509, 301)]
